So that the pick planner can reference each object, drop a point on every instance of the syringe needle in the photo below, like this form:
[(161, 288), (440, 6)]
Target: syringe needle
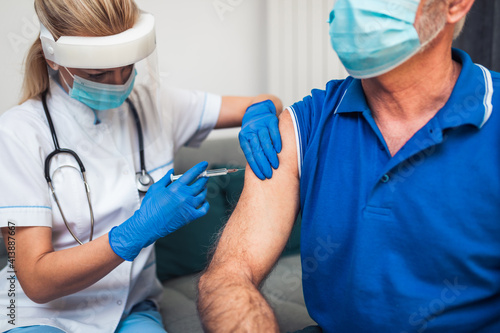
[(234, 170)]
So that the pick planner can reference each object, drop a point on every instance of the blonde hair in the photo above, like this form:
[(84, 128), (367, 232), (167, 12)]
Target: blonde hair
[(73, 18)]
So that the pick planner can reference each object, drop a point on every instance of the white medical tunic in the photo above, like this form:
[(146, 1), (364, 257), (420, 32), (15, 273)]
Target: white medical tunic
[(107, 144)]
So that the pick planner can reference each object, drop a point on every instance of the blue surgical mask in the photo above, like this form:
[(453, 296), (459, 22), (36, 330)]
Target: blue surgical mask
[(100, 96), (372, 37)]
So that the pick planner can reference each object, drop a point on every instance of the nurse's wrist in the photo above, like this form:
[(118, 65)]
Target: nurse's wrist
[(123, 245)]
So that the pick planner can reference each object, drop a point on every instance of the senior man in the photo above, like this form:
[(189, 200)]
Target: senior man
[(397, 173)]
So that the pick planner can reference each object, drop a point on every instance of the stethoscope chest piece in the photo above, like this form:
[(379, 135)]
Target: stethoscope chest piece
[(143, 181)]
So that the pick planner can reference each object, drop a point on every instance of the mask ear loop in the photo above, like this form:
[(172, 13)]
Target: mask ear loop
[(65, 82)]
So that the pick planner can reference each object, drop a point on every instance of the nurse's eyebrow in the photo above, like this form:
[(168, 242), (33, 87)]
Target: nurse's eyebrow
[(98, 71)]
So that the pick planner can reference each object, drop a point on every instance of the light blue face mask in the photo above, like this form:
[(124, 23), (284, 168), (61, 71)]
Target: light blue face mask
[(100, 96), (372, 37)]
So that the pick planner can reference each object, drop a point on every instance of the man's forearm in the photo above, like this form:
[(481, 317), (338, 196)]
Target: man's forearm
[(228, 303)]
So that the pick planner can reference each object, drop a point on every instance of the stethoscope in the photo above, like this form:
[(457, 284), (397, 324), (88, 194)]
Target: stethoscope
[(142, 178)]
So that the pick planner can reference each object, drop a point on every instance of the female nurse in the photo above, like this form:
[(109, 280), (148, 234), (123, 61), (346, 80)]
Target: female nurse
[(86, 164)]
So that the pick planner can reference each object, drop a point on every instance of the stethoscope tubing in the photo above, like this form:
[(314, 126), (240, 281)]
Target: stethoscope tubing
[(59, 150), (143, 179), (139, 133)]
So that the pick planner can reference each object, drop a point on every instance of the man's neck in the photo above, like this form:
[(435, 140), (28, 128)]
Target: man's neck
[(416, 89), (405, 99)]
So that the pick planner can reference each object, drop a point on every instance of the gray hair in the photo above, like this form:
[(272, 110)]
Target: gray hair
[(459, 27), (433, 20)]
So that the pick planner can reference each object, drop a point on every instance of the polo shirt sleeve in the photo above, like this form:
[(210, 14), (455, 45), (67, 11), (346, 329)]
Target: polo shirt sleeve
[(301, 125), (24, 195), (304, 116), (307, 116), (192, 114)]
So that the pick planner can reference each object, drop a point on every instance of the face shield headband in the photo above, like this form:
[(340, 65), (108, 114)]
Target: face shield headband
[(123, 49), (135, 46)]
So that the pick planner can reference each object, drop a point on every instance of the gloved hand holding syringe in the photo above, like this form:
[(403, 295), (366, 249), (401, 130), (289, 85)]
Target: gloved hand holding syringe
[(210, 173)]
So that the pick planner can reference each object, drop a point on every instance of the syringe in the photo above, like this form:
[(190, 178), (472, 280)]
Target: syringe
[(210, 173)]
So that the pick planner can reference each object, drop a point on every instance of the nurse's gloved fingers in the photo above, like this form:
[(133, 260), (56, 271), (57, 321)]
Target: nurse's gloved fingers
[(274, 130), (245, 145), (198, 200), (255, 167), (198, 186), (267, 146), (189, 176), (260, 157), (165, 180), (203, 209), (159, 185), (247, 150)]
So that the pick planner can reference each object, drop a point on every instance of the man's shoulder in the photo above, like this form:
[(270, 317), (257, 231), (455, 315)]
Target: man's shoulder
[(333, 89), (495, 83), (334, 86), (495, 77), (488, 74), (321, 99)]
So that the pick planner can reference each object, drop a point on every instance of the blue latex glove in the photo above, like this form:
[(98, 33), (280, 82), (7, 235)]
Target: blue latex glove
[(260, 138), (165, 208)]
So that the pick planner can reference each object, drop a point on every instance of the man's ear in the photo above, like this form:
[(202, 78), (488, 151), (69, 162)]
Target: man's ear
[(458, 9), (52, 65)]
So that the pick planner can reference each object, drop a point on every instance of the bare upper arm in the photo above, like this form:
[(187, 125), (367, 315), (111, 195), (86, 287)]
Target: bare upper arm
[(258, 230)]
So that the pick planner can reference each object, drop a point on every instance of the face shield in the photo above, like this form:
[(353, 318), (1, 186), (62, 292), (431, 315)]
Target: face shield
[(95, 64)]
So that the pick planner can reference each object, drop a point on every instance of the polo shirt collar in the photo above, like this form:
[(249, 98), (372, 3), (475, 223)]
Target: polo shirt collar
[(469, 102), (353, 99)]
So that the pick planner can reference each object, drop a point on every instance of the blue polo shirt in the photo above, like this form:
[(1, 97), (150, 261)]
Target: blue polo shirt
[(409, 243)]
